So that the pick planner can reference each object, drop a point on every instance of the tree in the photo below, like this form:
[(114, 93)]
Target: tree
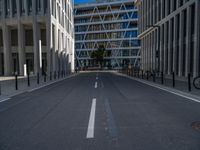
[(99, 54)]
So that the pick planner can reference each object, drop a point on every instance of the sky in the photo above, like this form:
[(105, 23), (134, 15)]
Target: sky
[(81, 1)]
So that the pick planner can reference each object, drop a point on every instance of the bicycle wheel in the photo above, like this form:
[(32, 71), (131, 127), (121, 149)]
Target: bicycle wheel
[(196, 82)]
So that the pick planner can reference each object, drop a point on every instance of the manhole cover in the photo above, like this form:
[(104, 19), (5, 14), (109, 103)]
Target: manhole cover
[(196, 125)]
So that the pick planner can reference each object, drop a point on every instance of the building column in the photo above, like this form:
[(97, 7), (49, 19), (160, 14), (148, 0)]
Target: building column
[(181, 44), (165, 48), (142, 54), (1, 64), (37, 46), (170, 50), (196, 40), (161, 48), (188, 42), (55, 49), (144, 61), (21, 49), (175, 44), (7, 50), (49, 45)]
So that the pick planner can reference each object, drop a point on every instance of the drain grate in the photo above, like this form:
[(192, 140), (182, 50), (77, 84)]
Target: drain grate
[(196, 125)]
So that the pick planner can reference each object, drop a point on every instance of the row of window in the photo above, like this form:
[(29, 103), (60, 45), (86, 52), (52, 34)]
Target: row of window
[(110, 35), (105, 8), (10, 7), (112, 44), (179, 26), (111, 26), (152, 11), (28, 37), (108, 17)]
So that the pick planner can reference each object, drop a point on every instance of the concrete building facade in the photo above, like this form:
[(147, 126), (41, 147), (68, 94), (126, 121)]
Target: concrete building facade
[(170, 36), (113, 24), (36, 35)]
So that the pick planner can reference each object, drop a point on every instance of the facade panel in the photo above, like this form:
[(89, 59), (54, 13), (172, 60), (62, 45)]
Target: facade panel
[(24, 24), (178, 27), (112, 24)]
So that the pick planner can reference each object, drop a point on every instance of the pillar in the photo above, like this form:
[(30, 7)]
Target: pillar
[(181, 45), (161, 49), (165, 48), (7, 50), (196, 40), (170, 50), (21, 48), (188, 42), (37, 46), (1, 64), (175, 44)]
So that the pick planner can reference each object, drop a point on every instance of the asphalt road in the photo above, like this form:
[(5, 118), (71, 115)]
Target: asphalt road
[(99, 111)]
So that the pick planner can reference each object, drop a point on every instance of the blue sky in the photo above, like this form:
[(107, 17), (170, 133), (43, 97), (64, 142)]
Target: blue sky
[(81, 1)]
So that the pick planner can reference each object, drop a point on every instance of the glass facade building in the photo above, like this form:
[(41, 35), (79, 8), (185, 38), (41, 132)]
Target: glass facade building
[(113, 24)]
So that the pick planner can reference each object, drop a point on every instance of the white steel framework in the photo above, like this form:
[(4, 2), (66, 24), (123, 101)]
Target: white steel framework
[(112, 24)]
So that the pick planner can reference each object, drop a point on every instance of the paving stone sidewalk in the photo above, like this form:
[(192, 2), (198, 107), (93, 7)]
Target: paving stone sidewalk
[(8, 84)]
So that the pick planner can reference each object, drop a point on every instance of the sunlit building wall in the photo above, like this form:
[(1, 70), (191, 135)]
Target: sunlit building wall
[(24, 24)]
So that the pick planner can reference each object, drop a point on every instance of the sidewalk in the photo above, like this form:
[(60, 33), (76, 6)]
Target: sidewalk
[(8, 85), (181, 86)]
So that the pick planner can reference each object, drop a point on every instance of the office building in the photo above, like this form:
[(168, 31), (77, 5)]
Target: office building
[(36, 36), (112, 24), (170, 36)]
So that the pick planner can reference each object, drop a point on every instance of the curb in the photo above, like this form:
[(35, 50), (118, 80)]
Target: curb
[(191, 97)]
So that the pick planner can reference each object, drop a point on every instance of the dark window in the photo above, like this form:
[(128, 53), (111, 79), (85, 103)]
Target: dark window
[(1, 38), (30, 6), (29, 37), (14, 7), (14, 37)]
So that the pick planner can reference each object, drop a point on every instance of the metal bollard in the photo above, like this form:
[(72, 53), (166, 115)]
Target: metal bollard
[(189, 82), (50, 76), (0, 88), (142, 74), (162, 78), (28, 79), (173, 78), (38, 78), (45, 77), (154, 77), (16, 82)]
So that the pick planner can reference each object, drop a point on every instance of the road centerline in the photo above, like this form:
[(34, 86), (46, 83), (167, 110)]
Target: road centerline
[(96, 85), (91, 124)]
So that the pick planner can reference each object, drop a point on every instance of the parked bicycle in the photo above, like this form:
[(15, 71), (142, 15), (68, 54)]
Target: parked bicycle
[(196, 82)]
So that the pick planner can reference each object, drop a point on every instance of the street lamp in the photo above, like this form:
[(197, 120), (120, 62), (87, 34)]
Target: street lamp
[(157, 61)]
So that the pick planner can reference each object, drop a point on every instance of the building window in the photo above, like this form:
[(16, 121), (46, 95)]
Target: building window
[(30, 6), (29, 37), (1, 38), (22, 7), (14, 37), (14, 7), (7, 7), (38, 6), (45, 6), (1, 7)]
